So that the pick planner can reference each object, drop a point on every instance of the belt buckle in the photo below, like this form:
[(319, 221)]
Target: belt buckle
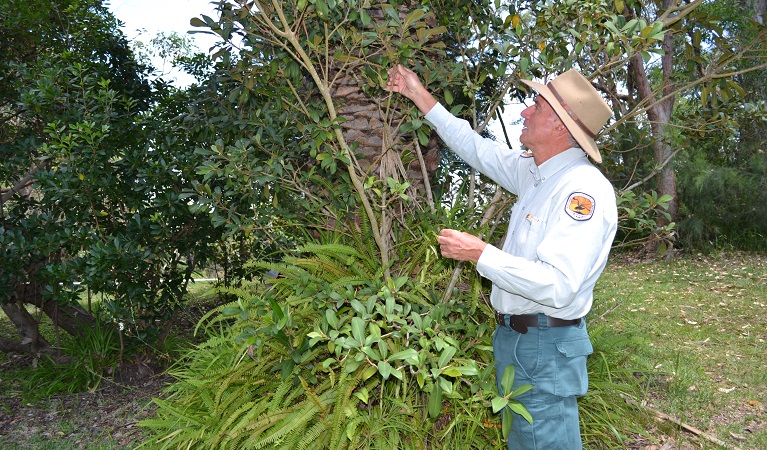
[(517, 326)]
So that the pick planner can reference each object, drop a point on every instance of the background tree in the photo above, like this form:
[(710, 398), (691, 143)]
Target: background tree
[(723, 159), (46, 75), (92, 182)]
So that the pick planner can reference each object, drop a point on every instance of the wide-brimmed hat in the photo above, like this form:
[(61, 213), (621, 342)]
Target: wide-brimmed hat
[(579, 105)]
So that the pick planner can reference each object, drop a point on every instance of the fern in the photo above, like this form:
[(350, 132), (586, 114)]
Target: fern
[(344, 407), (310, 439), (279, 395), (296, 421)]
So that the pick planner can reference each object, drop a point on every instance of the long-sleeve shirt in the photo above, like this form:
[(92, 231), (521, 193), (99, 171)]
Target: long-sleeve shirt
[(561, 228)]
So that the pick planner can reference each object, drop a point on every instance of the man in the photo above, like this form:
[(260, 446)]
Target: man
[(559, 236)]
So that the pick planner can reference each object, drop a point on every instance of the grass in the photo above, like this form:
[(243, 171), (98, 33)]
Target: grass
[(699, 326), (702, 326)]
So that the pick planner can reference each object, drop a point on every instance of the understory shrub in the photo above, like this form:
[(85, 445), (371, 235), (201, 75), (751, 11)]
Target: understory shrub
[(329, 355)]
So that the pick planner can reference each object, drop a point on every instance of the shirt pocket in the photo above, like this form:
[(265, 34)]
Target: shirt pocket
[(530, 236), (572, 375)]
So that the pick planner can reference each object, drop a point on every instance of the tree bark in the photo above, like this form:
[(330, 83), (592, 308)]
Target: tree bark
[(659, 113), (72, 318), (757, 7), (30, 340)]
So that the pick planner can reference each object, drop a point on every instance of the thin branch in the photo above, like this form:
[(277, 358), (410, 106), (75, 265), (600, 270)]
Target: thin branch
[(425, 175), (654, 172), (25, 181), (684, 426)]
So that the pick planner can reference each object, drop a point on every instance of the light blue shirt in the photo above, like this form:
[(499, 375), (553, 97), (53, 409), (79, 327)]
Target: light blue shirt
[(561, 228)]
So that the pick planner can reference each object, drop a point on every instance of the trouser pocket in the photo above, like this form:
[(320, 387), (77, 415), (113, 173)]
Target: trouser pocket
[(571, 375)]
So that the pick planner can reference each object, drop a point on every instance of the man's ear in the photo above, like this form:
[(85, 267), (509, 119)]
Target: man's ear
[(560, 129)]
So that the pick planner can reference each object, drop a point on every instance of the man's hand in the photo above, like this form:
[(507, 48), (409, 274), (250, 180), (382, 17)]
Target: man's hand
[(406, 82), (460, 246)]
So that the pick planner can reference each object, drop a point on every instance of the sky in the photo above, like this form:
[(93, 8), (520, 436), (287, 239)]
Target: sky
[(144, 19)]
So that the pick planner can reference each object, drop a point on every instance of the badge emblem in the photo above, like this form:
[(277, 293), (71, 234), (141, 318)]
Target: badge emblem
[(580, 206), (526, 154)]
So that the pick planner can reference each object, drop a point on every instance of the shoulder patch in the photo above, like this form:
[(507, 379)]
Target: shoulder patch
[(526, 154), (580, 206)]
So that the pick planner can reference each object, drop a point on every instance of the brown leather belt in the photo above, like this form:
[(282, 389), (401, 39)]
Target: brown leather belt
[(520, 323)]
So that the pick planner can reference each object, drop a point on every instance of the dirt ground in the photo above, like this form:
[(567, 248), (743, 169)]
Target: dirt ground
[(105, 418)]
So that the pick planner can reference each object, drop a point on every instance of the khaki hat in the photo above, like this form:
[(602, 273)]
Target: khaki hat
[(579, 105)]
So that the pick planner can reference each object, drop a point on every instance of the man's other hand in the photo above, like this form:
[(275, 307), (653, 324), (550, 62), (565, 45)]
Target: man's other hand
[(460, 246)]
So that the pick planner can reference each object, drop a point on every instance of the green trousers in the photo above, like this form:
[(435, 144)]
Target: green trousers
[(553, 361)]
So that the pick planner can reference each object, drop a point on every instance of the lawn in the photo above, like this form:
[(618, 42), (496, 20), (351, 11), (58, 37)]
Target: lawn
[(698, 323)]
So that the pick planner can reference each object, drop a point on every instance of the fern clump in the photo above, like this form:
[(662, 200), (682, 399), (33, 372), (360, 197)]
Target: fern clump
[(333, 354)]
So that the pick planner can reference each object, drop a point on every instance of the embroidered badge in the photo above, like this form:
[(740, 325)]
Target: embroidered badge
[(580, 206), (526, 154)]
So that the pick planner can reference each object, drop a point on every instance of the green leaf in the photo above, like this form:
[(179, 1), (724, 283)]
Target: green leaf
[(507, 381), (363, 394), (330, 316), (358, 329), (498, 403), (409, 355), (231, 311), (611, 26), (446, 356), (448, 97), (415, 15), (277, 312), (369, 371), (391, 12), (372, 353), (365, 18), (506, 420), (322, 8), (452, 372), (385, 369), (434, 405), (423, 138), (520, 390), (469, 371), (421, 379), (520, 409)]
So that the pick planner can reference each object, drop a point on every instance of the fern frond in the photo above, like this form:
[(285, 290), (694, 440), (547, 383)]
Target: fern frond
[(347, 386), (295, 421), (282, 390), (312, 437), (333, 250)]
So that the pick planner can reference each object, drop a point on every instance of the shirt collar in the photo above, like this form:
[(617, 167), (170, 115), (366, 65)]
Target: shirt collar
[(556, 163)]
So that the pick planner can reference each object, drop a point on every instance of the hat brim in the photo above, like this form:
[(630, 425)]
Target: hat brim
[(586, 142)]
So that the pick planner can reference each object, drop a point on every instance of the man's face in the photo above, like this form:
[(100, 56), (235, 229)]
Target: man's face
[(540, 125)]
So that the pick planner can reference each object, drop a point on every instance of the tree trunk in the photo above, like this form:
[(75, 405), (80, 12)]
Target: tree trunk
[(381, 147), (757, 7), (659, 114), (30, 341), (369, 123), (659, 110), (382, 150), (72, 318)]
